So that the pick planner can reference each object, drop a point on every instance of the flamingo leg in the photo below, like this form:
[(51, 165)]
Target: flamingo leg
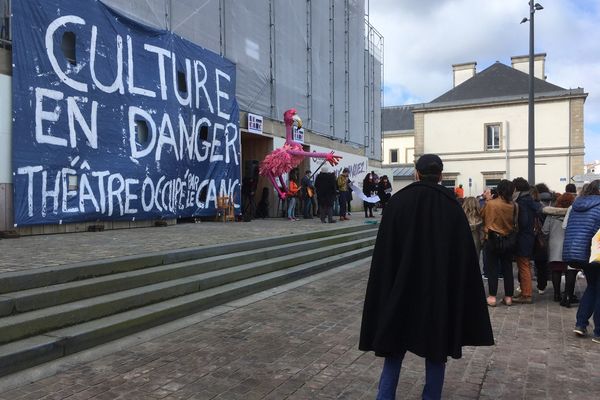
[(276, 186), (283, 185)]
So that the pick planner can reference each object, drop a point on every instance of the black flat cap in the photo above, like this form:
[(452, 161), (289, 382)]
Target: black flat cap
[(429, 164)]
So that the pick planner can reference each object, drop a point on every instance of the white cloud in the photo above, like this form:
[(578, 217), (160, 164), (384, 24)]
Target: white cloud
[(423, 38)]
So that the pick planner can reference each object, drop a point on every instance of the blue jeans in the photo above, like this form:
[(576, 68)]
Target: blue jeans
[(308, 203), (291, 207), (434, 378), (590, 301)]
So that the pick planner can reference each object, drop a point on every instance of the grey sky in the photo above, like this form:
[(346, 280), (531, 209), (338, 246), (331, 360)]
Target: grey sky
[(423, 38)]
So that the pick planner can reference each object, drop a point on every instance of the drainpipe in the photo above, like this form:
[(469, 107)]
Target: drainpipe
[(506, 145), (347, 71), (272, 59), (169, 15), (309, 60), (331, 68), (570, 152), (222, 28)]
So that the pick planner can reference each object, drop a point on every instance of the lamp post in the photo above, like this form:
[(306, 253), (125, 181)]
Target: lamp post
[(531, 131)]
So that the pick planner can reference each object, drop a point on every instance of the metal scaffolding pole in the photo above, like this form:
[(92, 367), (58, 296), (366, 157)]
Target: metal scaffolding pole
[(272, 77), (346, 71), (367, 65), (309, 61), (331, 68)]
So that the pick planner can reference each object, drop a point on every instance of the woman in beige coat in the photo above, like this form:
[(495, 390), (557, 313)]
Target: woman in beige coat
[(553, 229)]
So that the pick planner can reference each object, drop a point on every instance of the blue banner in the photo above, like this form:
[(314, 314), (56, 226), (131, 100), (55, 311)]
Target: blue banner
[(113, 120)]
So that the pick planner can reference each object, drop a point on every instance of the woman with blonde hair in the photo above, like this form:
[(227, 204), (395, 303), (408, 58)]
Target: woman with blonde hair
[(473, 212)]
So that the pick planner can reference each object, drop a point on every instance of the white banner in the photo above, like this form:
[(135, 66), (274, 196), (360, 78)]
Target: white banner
[(362, 196)]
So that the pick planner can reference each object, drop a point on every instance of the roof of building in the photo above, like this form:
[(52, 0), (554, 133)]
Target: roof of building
[(397, 118), (498, 80), (405, 171)]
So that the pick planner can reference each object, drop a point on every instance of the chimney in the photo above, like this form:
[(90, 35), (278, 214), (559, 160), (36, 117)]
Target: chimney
[(463, 72), (521, 63)]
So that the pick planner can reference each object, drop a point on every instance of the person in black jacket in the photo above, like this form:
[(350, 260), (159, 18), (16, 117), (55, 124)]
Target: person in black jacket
[(262, 210), (326, 187), (425, 294), (384, 191), (369, 188), (528, 209), (308, 192)]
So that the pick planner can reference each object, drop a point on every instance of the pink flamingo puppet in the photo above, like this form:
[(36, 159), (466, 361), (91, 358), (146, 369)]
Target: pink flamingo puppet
[(282, 160)]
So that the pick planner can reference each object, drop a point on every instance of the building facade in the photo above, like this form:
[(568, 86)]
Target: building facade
[(480, 127), (398, 132), (322, 58), (593, 167)]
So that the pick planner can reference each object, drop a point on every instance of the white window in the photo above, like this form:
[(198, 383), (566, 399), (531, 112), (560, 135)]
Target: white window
[(449, 183), (492, 183), (393, 156), (492, 136)]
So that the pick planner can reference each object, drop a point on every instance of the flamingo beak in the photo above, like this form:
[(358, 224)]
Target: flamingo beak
[(298, 121)]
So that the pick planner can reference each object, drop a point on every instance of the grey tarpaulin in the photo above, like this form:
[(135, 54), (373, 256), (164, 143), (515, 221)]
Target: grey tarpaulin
[(305, 60)]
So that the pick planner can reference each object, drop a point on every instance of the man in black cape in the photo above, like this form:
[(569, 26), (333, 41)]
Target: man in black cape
[(425, 294)]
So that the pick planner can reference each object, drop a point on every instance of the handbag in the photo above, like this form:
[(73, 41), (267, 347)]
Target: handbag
[(501, 244), (595, 250), (540, 244)]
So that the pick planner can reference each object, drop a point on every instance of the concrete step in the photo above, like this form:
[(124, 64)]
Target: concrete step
[(40, 277), (38, 321), (37, 298), (57, 343)]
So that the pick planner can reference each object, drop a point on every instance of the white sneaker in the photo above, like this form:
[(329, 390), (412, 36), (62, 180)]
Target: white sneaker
[(541, 291)]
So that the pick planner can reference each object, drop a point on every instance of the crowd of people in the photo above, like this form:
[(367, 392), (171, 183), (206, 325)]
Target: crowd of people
[(544, 232), (329, 194), (425, 294)]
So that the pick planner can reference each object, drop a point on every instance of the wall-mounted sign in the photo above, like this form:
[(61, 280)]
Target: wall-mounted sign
[(298, 135), (255, 123), (115, 120)]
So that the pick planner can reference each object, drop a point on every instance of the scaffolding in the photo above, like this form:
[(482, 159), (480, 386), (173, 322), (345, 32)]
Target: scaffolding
[(373, 87), (5, 29), (323, 58)]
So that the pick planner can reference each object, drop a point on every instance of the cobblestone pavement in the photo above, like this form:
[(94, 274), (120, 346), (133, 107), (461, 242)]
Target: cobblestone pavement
[(30, 252), (302, 344)]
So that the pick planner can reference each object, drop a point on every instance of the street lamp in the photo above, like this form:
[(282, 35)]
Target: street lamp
[(531, 131)]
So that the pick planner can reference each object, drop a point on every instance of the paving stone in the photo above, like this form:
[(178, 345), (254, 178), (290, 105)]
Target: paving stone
[(302, 344), (60, 249)]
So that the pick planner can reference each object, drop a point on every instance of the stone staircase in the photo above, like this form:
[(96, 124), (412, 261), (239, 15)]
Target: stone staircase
[(52, 312)]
